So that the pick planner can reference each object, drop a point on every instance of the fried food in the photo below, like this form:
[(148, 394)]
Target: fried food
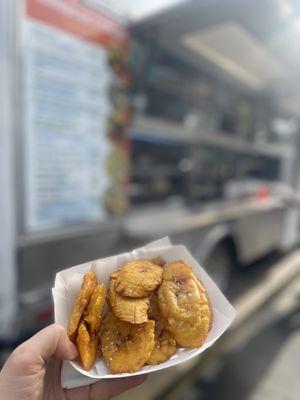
[(177, 270), (158, 261), (164, 348), (87, 346), (95, 309), (99, 350), (154, 310), (204, 296), (87, 313), (126, 347), (184, 303), (134, 310), (138, 278), (156, 314), (165, 344), (155, 307), (82, 300)]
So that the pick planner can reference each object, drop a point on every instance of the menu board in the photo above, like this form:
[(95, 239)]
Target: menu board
[(67, 78)]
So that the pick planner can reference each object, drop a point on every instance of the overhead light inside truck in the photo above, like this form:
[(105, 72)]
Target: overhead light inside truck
[(234, 50), (131, 9)]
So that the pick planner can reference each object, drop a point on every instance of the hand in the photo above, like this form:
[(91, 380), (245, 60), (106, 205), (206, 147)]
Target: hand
[(32, 372)]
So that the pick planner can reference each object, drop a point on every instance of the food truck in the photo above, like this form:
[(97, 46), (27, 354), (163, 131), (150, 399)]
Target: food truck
[(83, 176)]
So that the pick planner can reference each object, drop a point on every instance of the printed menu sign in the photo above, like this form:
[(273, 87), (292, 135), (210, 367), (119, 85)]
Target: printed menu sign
[(67, 80)]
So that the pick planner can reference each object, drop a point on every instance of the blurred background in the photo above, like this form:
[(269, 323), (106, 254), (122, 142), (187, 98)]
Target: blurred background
[(123, 122)]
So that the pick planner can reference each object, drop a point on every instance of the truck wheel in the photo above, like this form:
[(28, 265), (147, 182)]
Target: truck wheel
[(219, 265)]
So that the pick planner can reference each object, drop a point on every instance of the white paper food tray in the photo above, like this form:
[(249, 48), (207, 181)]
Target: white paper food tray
[(67, 285)]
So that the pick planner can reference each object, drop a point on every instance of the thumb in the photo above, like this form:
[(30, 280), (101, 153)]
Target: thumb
[(51, 342)]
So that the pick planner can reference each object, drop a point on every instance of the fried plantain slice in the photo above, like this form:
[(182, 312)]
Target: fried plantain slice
[(204, 298), (164, 347), (98, 349), (158, 261), (95, 309), (154, 310), (134, 310), (126, 347), (165, 344), (82, 300), (156, 314), (185, 305), (177, 270), (138, 278), (87, 346)]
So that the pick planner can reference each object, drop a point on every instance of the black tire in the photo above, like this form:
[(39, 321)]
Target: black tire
[(220, 264)]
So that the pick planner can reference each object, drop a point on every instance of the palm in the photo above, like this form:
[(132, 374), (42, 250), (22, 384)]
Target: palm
[(101, 391), (54, 391)]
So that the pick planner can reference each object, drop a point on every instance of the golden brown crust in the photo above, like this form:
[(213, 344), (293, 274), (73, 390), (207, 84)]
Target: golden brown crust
[(178, 269), (205, 298), (134, 310), (156, 314), (87, 346), (154, 307), (154, 310), (158, 261), (95, 308), (82, 300), (126, 347), (184, 303), (165, 344), (138, 278), (164, 348), (98, 349)]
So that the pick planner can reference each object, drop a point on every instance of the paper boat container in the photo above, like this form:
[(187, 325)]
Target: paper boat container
[(67, 285)]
